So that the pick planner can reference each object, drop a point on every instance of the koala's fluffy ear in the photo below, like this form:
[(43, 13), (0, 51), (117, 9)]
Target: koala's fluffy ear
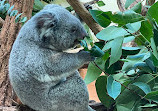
[(46, 20)]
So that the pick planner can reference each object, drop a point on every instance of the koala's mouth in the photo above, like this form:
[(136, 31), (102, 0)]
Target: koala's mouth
[(76, 42)]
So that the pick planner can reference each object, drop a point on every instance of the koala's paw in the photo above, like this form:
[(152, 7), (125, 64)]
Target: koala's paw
[(86, 56)]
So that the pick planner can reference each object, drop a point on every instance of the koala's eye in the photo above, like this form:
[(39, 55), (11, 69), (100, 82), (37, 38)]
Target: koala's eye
[(73, 29)]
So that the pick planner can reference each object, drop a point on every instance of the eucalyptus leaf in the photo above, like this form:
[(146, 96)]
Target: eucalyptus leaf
[(153, 96), (156, 37), (23, 19), (154, 49), (146, 30), (100, 3), (154, 59), (145, 87), (100, 84), (131, 48), (13, 13), (17, 18), (113, 87), (128, 3), (152, 10), (137, 8), (102, 18), (128, 39), (108, 45), (10, 10), (133, 27), (111, 32), (126, 17), (96, 51), (150, 63), (38, 5), (116, 50), (6, 8), (93, 71)]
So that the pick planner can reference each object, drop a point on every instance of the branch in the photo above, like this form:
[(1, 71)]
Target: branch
[(1, 22), (85, 15)]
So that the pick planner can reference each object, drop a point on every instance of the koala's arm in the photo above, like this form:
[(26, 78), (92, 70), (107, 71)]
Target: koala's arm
[(65, 64), (61, 65)]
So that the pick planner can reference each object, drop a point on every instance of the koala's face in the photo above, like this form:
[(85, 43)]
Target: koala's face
[(58, 28)]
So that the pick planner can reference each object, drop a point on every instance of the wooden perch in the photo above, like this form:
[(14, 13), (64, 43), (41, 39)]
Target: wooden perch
[(85, 15)]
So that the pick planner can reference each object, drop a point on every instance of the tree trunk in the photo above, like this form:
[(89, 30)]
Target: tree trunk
[(8, 34), (85, 15)]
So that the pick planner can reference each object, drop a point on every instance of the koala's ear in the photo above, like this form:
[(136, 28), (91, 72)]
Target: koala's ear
[(46, 20)]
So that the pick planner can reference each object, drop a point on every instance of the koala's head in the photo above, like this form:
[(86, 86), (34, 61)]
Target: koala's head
[(58, 28)]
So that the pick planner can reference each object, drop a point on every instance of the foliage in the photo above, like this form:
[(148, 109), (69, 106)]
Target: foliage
[(6, 9), (131, 78)]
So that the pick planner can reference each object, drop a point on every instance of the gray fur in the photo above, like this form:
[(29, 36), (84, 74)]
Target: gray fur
[(43, 76)]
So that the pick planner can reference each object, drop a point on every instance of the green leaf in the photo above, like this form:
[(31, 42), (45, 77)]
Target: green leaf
[(150, 63), (126, 107), (137, 8), (128, 39), (152, 10), (10, 10), (133, 27), (140, 41), (153, 96), (2, 2), (127, 101), (6, 8), (134, 59), (126, 51), (105, 99), (93, 71), (23, 19), (108, 45), (143, 67), (114, 68), (102, 18), (13, 13), (116, 50), (38, 5), (155, 37), (131, 48), (153, 46), (154, 59), (128, 3), (100, 3), (1, 8), (145, 87), (149, 106), (17, 18), (69, 8), (128, 16), (111, 32), (96, 51), (113, 87), (146, 30)]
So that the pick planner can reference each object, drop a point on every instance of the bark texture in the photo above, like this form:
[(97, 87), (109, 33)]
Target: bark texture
[(85, 15), (1, 22), (8, 34)]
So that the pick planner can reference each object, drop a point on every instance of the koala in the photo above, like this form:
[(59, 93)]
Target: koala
[(42, 74)]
